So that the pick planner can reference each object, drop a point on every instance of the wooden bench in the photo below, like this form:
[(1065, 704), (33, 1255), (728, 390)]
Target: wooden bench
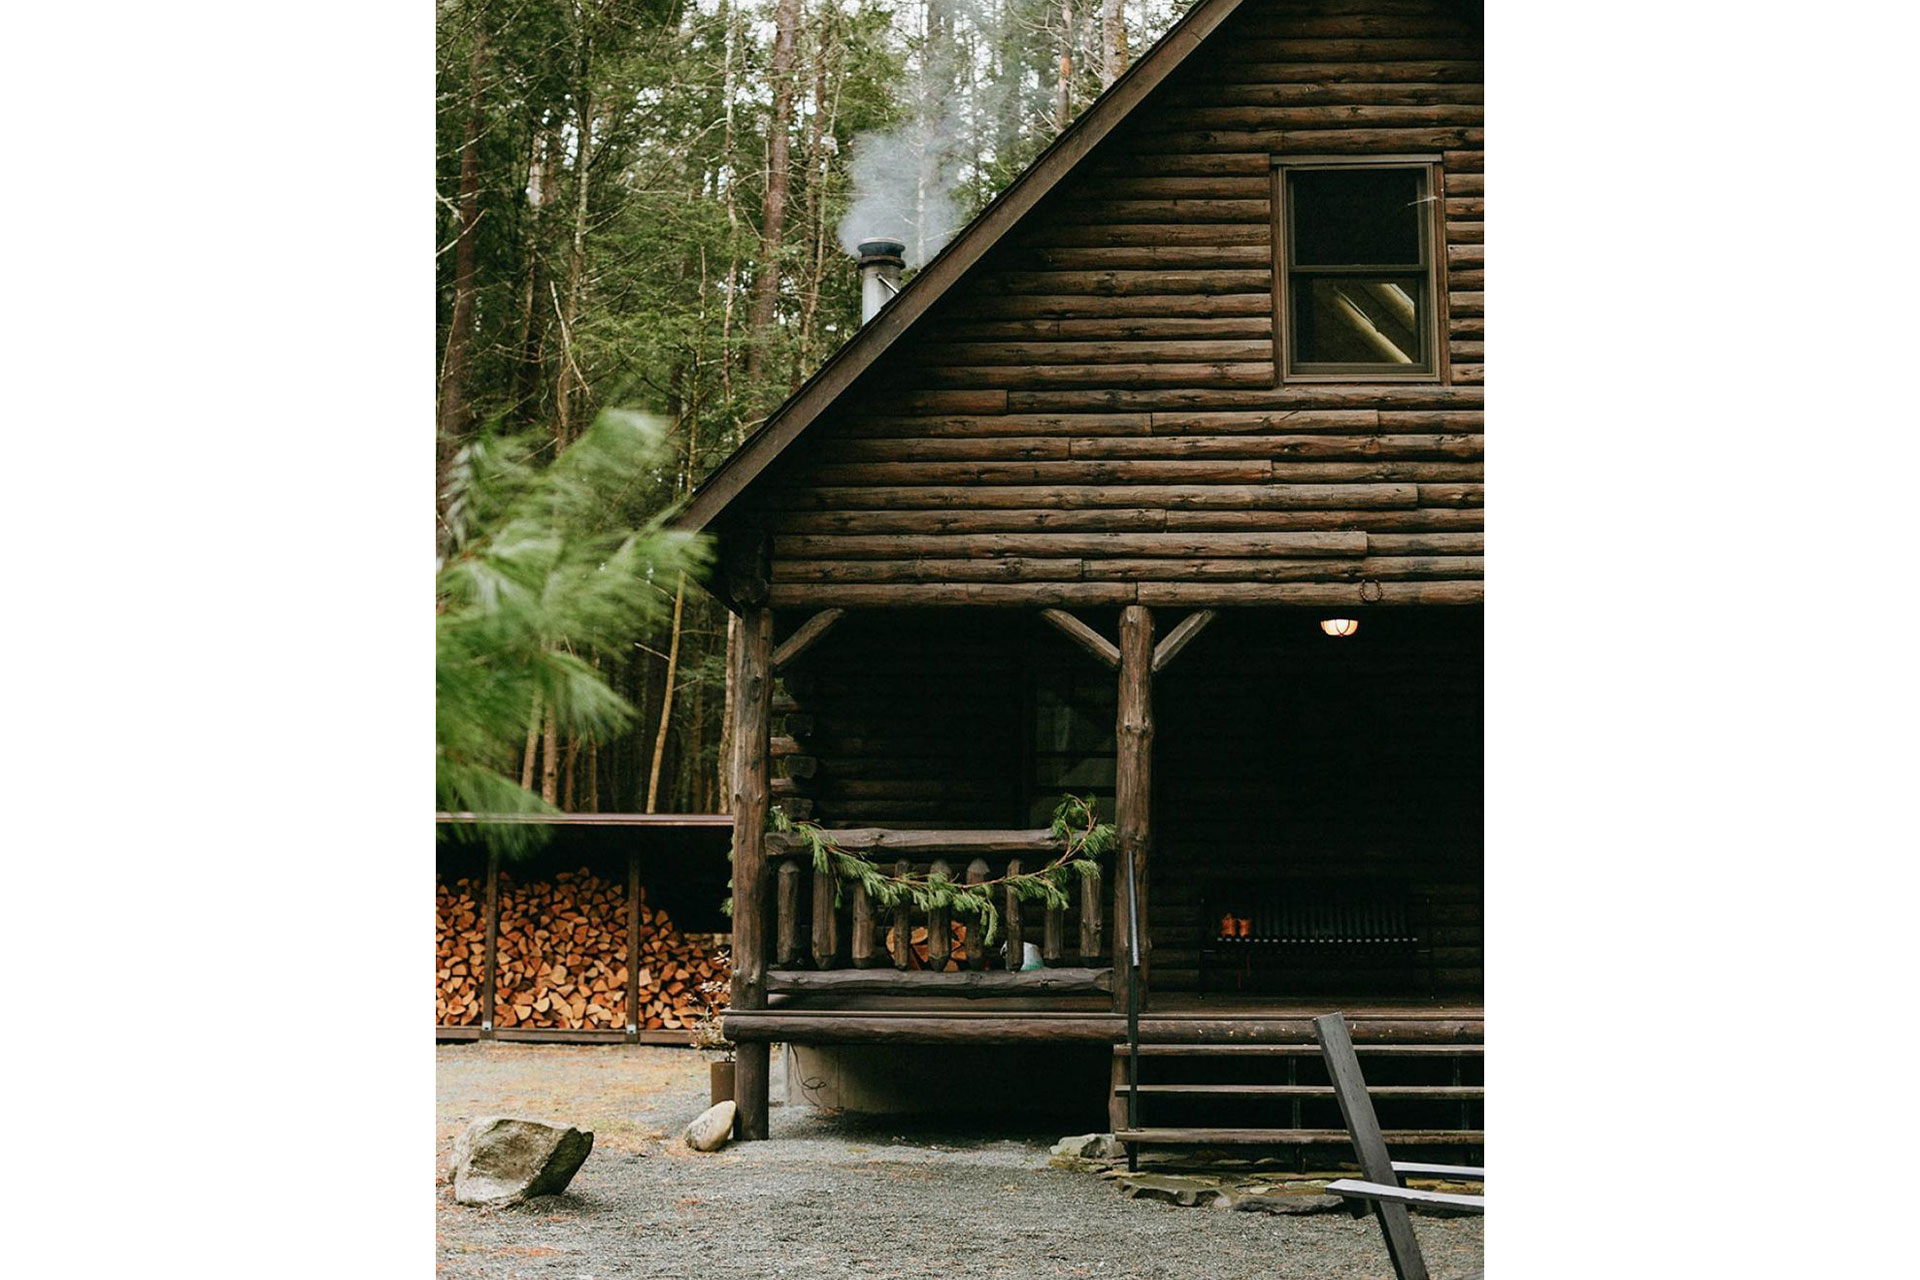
[(1281, 932)]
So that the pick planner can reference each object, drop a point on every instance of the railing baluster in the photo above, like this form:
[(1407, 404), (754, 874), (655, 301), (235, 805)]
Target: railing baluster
[(902, 947), (861, 945), (977, 931), (1092, 910), (787, 928), (1015, 922), (826, 920), (1053, 935), (939, 923)]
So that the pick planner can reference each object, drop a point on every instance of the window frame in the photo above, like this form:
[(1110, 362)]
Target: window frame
[(1435, 366)]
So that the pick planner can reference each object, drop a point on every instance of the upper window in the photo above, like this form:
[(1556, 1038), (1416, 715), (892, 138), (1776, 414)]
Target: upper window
[(1356, 274)]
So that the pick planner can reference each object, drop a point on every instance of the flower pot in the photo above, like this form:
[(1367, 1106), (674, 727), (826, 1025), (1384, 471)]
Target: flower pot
[(721, 1085)]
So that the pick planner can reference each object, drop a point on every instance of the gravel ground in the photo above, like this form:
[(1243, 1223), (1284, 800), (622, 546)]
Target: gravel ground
[(837, 1196)]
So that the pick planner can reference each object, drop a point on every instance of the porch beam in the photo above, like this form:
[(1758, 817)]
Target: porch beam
[(1180, 637), (752, 792), (1103, 649), (1133, 788), (805, 636)]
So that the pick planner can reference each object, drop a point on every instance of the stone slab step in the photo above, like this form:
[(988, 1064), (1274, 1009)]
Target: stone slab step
[(1461, 1092), (1297, 1137)]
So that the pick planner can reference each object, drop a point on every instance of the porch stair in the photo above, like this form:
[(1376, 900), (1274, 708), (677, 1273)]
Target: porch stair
[(1193, 1098)]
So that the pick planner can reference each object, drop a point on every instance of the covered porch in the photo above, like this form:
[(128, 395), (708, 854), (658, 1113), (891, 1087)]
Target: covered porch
[(1298, 813)]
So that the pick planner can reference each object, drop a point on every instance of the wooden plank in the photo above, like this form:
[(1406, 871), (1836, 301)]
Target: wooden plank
[(1388, 1195), (787, 912), (955, 1027), (998, 982), (1103, 650), (805, 636), (1401, 1092), (976, 932), (1297, 1137), (1370, 1146), (752, 795), (1013, 918), (1180, 637), (826, 920), (1420, 1169), (900, 945), (939, 922), (861, 947)]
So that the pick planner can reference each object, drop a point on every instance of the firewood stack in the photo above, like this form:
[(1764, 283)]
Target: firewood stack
[(917, 940), (460, 941), (563, 958)]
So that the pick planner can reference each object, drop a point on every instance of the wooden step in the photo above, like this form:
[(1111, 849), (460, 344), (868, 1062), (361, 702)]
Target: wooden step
[(1460, 1092), (1302, 1050), (1297, 1137)]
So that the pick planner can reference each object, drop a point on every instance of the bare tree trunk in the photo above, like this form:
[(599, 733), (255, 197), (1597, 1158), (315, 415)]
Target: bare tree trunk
[(542, 165), (533, 744), (550, 761), (773, 210), (666, 699), (1064, 104), (453, 410), (1113, 41), (568, 773), (570, 382)]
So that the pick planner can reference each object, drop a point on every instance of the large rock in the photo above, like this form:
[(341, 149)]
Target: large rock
[(499, 1160), (711, 1128), (1085, 1146)]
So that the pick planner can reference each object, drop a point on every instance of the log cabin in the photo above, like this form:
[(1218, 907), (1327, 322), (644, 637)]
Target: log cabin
[(1162, 482)]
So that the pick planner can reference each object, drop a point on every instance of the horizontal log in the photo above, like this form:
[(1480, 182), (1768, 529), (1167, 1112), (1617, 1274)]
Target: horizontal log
[(966, 983), (1444, 544), (1331, 93), (1465, 160), (1032, 545), (823, 1027), (1290, 422), (930, 595), (1262, 497), (1120, 519), (1427, 446), (1449, 71), (1470, 208), (1472, 374), (889, 840), (1467, 278), (1331, 395), (1240, 186), (1102, 330), (1129, 163), (1027, 473), (1110, 212), (1384, 569), (1466, 302), (1459, 232), (1127, 283), (1012, 424), (1463, 349), (1143, 257), (980, 402), (1169, 351), (1466, 327), (1381, 19), (1014, 377), (1308, 142), (1358, 49), (1253, 302), (1262, 117), (1195, 594), (1466, 184), (1055, 235), (1008, 569)]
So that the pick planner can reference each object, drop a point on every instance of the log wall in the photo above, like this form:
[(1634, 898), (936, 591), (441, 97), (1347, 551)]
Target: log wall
[(1093, 418)]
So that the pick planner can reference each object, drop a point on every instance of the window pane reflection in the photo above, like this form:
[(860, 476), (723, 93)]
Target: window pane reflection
[(1358, 320)]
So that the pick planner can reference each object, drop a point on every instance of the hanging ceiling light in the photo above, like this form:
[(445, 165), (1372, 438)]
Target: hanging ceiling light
[(1340, 627)]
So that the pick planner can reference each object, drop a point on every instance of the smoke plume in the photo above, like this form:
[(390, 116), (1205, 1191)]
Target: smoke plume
[(903, 187)]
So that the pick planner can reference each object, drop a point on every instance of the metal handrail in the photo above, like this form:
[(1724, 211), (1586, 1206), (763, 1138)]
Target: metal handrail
[(1133, 1013)]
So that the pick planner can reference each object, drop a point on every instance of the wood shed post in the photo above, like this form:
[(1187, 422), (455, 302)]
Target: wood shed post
[(752, 724), (1133, 787)]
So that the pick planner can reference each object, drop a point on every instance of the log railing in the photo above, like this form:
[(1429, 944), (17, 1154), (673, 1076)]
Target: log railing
[(853, 945)]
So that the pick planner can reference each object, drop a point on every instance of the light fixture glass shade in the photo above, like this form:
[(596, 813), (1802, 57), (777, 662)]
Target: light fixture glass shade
[(1341, 627)]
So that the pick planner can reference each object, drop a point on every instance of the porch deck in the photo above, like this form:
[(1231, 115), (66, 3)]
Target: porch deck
[(1172, 1018)]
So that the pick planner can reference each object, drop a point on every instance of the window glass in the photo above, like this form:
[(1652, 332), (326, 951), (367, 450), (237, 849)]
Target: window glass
[(1356, 217), (1358, 320)]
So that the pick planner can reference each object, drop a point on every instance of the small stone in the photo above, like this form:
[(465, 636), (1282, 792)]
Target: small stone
[(1087, 1146), (1179, 1189), (711, 1128), (1279, 1200), (500, 1161)]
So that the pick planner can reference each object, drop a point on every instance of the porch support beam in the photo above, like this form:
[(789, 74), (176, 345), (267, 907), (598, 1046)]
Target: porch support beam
[(1103, 650), (804, 637), (1180, 637), (1133, 789), (752, 791)]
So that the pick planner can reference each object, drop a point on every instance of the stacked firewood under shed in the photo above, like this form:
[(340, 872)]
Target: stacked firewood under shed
[(562, 957), (460, 953)]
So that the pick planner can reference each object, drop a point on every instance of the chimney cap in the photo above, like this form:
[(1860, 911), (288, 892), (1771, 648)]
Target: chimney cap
[(882, 249)]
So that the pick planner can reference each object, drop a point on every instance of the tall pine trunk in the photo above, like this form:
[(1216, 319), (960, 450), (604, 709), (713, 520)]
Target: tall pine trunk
[(773, 209), (453, 411), (666, 699), (1113, 41)]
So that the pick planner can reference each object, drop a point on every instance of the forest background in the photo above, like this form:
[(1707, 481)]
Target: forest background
[(649, 205)]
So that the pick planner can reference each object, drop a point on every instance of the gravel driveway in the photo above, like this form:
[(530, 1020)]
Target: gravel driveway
[(831, 1197)]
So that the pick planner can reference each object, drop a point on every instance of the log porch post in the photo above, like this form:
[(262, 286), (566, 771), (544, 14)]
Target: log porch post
[(752, 725), (1133, 787)]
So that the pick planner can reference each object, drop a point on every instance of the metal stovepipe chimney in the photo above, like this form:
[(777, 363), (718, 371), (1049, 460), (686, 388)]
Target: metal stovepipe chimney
[(881, 262)]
